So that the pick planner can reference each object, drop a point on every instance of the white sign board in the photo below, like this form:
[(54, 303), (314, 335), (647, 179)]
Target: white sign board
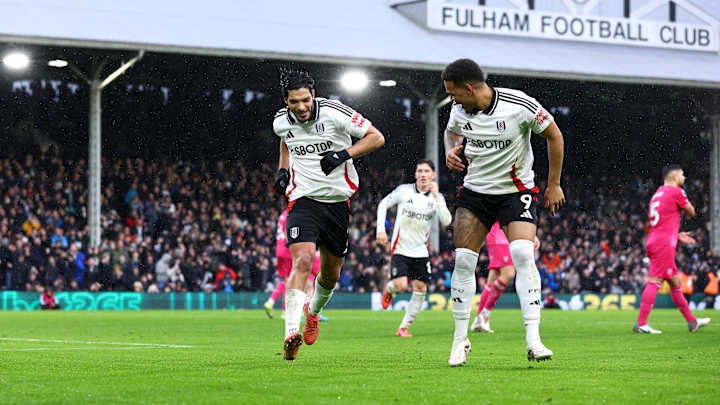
[(443, 15)]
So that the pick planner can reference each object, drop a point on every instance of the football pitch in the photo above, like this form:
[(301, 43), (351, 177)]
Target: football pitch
[(196, 357)]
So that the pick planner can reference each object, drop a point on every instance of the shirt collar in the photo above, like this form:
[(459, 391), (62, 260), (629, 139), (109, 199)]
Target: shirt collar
[(493, 102)]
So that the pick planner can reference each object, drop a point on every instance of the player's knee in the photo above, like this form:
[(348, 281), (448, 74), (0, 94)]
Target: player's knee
[(522, 251), (508, 275), (465, 260), (303, 262)]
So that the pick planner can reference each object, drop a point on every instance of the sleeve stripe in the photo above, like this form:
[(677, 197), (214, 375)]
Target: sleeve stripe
[(532, 111), (519, 98), (337, 105), (336, 108)]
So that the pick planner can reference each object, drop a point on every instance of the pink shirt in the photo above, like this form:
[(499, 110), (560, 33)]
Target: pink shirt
[(665, 211), (281, 237), (496, 236)]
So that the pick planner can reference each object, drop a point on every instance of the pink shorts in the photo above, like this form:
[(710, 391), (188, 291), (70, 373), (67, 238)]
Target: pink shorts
[(662, 261), (284, 266), (499, 256)]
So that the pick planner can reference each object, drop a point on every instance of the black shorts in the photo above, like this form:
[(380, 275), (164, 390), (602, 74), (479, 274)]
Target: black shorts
[(325, 224), (415, 268), (488, 208)]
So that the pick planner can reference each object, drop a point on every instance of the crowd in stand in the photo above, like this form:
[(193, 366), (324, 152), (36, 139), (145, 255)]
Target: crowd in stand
[(176, 226), (188, 205)]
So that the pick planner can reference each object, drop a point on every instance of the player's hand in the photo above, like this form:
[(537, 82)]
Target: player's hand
[(282, 180), (554, 198), (434, 189), (333, 159), (686, 238), (452, 159), (537, 244), (381, 239)]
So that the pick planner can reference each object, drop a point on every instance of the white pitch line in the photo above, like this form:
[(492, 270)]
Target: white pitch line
[(97, 343), (47, 349)]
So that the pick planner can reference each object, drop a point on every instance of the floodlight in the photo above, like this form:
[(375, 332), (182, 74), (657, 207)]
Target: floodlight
[(58, 63), (16, 60), (354, 81), (388, 83)]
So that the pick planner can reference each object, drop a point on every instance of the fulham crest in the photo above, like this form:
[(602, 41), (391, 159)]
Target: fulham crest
[(294, 232), (500, 126)]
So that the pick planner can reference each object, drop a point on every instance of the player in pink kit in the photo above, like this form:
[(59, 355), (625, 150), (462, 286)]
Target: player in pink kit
[(666, 206), (502, 272), (284, 265)]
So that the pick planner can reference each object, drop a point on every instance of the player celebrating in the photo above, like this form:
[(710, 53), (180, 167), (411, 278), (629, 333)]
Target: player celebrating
[(409, 258), (284, 264), (666, 207), (499, 186), (318, 177)]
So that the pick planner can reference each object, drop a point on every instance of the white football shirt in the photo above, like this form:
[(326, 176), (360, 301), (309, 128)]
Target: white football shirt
[(330, 129), (415, 213), (498, 146)]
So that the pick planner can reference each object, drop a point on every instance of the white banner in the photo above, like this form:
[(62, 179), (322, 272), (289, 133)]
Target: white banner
[(442, 15)]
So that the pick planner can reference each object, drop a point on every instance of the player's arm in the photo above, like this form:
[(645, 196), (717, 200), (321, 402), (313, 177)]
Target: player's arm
[(356, 126), (689, 210), (372, 140), (442, 210), (554, 197), (453, 148), (387, 202), (283, 176)]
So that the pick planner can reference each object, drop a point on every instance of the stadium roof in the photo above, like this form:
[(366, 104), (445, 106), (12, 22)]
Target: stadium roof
[(370, 32)]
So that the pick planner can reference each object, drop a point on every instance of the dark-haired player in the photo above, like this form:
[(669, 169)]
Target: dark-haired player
[(418, 205), (499, 186), (317, 175), (666, 208)]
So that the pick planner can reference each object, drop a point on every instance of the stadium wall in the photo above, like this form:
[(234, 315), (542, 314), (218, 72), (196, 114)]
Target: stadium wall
[(130, 301)]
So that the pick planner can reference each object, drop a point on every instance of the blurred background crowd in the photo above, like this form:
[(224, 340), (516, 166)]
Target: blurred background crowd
[(194, 212)]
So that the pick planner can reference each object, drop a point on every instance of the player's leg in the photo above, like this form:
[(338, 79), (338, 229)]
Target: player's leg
[(480, 323), (679, 300), (469, 235), (398, 279), (284, 266), (303, 227), (302, 254), (420, 276), (333, 244), (521, 235), (324, 286), (494, 291), (661, 261), (646, 303)]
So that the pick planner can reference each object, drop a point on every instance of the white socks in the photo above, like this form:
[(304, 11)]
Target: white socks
[(294, 303), (463, 289), (413, 308), (527, 285), (319, 299)]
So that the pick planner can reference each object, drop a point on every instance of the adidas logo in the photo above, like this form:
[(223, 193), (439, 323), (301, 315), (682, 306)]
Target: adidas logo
[(467, 127), (526, 214), (457, 300)]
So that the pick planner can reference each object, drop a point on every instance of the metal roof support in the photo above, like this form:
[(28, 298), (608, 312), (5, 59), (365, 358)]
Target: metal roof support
[(97, 84), (715, 185)]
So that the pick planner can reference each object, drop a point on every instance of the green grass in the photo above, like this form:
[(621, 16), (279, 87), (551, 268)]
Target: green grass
[(236, 358)]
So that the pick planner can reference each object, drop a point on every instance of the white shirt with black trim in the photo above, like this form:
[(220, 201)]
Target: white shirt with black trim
[(415, 213), (498, 146), (330, 129)]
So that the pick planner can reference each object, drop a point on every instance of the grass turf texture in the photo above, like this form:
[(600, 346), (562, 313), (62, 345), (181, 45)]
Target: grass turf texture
[(237, 358)]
